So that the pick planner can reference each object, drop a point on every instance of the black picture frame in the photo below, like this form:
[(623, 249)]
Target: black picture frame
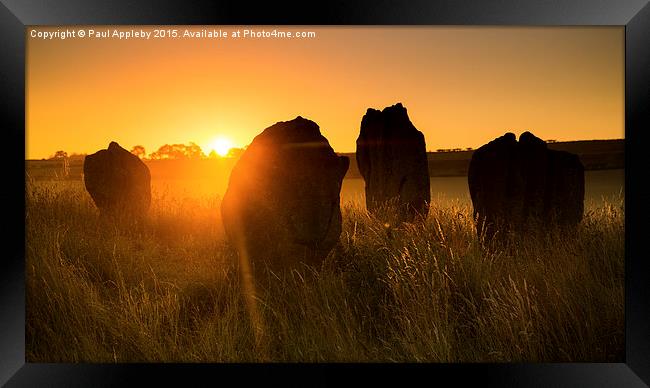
[(15, 15)]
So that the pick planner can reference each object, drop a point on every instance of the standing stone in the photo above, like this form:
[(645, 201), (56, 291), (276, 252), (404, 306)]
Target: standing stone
[(392, 158), (523, 186), (118, 182), (282, 205)]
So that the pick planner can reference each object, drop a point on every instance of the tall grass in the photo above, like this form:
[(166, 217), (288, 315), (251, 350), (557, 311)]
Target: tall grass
[(169, 290)]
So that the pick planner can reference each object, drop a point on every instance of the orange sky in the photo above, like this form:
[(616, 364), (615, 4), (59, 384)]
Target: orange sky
[(462, 86)]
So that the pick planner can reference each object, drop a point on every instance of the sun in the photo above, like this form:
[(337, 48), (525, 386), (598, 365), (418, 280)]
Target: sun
[(221, 146)]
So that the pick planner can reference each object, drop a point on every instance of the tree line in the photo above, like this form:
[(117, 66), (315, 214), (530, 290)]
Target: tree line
[(166, 151)]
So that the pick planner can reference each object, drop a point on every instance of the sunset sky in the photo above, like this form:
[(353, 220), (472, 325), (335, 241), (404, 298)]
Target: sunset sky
[(462, 86)]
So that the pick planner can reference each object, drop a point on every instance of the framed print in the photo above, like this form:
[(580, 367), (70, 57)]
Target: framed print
[(307, 195)]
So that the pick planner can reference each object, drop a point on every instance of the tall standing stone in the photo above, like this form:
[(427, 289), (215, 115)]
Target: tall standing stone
[(118, 182), (282, 205), (523, 186), (392, 158)]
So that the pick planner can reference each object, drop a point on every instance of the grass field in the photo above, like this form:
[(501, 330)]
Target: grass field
[(169, 290)]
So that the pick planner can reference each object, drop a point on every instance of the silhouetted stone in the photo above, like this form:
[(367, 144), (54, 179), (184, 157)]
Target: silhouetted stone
[(523, 186), (118, 182), (282, 205), (392, 159)]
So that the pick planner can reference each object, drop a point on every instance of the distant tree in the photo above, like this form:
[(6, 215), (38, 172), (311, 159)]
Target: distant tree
[(235, 152), (138, 151), (468, 149), (65, 166), (164, 152), (213, 155), (178, 151), (193, 151), (60, 155)]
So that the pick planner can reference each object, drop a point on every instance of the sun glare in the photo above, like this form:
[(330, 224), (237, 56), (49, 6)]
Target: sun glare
[(221, 146)]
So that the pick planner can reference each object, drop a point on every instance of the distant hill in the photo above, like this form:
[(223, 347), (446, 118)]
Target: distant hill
[(594, 154)]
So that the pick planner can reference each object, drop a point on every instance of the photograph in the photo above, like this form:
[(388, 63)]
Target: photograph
[(325, 194)]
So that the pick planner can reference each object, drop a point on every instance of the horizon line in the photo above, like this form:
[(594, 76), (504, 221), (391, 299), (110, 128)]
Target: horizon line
[(439, 150)]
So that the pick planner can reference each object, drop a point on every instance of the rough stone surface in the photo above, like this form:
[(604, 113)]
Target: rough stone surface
[(391, 155), (282, 205), (118, 182), (523, 186)]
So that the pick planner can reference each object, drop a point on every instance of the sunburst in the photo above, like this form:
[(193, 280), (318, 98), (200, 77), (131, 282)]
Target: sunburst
[(221, 146)]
